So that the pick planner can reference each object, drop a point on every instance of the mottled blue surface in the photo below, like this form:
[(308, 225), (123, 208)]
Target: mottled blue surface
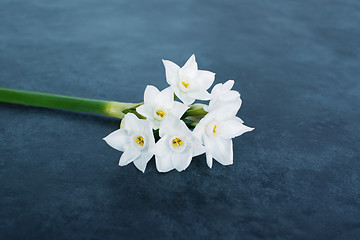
[(296, 64)]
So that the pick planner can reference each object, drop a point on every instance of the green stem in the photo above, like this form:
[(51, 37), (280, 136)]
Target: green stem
[(108, 108)]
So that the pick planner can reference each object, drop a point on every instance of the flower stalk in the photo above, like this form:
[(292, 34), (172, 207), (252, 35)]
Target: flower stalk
[(56, 101), (38, 99)]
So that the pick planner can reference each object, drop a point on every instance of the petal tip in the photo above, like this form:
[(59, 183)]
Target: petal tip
[(248, 129)]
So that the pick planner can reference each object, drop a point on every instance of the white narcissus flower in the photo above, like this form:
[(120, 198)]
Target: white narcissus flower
[(176, 147), (160, 105), (216, 131), (188, 83), (222, 94), (135, 138)]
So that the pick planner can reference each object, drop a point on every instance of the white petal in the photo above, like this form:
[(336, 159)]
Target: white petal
[(200, 149), (201, 95), (180, 126), (178, 109), (186, 99), (228, 85), (163, 155), (163, 163), (142, 125), (190, 67), (228, 110), (150, 93), (165, 98), (219, 103), (148, 130), (128, 156), (197, 147), (233, 128), (146, 125), (161, 147), (199, 130), (117, 139), (172, 125), (230, 95), (221, 149), (146, 110), (216, 90), (182, 160), (204, 79), (171, 72), (130, 122), (209, 159), (142, 161)]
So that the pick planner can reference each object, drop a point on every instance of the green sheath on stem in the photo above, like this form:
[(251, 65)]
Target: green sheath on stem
[(196, 110), (113, 109)]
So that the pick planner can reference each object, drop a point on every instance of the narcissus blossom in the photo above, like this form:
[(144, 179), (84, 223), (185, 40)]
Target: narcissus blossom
[(176, 147), (216, 131), (160, 105), (222, 94), (135, 138), (188, 83), (168, 120)]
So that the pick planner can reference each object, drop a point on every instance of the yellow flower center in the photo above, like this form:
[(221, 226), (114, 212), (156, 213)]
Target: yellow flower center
[(185, 84), (214, 129), (177, 142), (160, 113), (140, 140)]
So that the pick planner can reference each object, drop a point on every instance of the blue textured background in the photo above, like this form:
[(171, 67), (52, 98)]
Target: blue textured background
[(296, 64)]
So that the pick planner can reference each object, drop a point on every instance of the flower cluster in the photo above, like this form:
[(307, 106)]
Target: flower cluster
[(214, 125)]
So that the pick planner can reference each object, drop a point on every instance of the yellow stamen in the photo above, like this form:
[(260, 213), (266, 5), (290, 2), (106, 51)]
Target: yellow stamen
[(140, 140), (160, 113), (185, 84), (214, 130), (177, 142)]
